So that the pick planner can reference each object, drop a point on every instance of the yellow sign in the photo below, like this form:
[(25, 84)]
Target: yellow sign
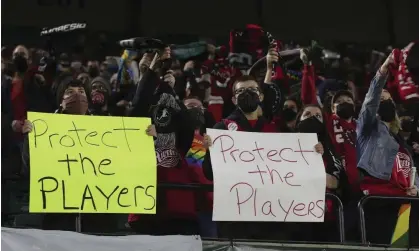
[(91, 164)]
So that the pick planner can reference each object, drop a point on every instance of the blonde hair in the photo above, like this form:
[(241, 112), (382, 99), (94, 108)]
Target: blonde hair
[(260, 111), (395, 125)]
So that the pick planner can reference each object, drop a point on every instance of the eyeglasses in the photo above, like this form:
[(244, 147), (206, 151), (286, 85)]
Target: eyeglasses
[(252, 89)]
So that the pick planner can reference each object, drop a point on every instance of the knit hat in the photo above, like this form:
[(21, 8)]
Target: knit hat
[(104, 81)]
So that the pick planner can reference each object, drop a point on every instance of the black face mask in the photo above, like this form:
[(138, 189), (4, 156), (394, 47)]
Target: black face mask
[(311, 125), (387, 110), (20, 63), (196, 116), (289, 114), (345, 110), (93, 72), (407, 125), (248, 101)]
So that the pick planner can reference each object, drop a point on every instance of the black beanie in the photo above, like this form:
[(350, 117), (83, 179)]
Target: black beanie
[(101, 79)]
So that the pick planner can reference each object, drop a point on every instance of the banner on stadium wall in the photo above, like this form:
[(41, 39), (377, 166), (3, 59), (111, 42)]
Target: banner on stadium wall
[(35, 240), (267, 177), (91, 164)]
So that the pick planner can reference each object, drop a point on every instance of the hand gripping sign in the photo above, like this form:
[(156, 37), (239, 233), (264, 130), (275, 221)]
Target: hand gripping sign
[(91, 164), (267, 177)]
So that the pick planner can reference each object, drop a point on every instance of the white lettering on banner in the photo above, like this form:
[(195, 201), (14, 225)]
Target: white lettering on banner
[(63, 28), (267, 177), (52, 13)]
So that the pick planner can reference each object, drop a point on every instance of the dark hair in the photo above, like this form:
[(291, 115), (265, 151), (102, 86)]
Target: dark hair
[(64, 83), (341, 93), (324, 137), (298, 119), (244, 78), (295, 100)]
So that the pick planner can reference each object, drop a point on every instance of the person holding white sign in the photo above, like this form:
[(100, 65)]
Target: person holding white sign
[(247, 97), (312, 120), (246, 118)]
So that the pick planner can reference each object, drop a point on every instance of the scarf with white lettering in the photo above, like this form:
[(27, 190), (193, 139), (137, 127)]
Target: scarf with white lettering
[(406, 87)]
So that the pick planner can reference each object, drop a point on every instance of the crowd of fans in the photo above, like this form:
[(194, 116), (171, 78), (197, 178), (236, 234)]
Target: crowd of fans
[(363, 108)]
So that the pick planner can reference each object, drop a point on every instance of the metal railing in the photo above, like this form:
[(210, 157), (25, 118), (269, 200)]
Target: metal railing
[(367, 198), (209, 188)]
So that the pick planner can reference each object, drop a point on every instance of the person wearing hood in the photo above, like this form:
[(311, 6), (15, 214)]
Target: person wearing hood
[(100, 92), (173, 132), (384, 161)]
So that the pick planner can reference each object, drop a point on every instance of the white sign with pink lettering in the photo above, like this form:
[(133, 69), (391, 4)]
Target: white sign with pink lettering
[(267, 177)]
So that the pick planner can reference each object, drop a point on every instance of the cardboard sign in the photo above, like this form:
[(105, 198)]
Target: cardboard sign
[(91, 164), (267, 177)]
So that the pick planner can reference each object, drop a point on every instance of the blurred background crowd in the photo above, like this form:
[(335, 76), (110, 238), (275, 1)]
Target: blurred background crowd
[(348, 72)]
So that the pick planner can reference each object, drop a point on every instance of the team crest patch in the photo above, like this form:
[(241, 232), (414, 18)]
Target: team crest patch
[(167, 157), (162, 116), (403, 164), (232, 126)]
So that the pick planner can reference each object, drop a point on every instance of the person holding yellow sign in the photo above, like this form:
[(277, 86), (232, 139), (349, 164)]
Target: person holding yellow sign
[(79, 169)]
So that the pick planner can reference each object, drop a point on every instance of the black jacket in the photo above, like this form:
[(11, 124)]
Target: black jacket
[(151, 97)]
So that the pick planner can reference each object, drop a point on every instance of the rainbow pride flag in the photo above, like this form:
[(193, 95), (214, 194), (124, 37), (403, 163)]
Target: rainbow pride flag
[(401, 231), (195, 155)]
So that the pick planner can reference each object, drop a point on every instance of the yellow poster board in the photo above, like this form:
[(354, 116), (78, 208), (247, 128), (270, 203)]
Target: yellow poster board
[(91, 164)]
